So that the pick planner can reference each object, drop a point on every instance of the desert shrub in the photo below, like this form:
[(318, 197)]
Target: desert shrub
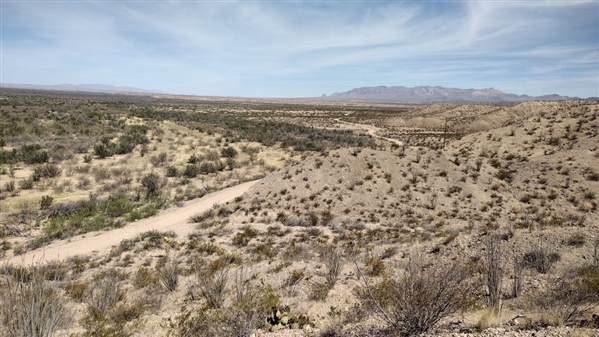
[(33, 154), (505, 175), (53, 271), (195, 323), (589, 275), (146, 211), (245, 314), (493, 274), (26, 184), (566, 299), (333, 262), (79, 217), (29, 304), (540, 260), (106, 292), (9, 186), (319, 291), (207, 168), (243, 237), (121, 320), (134, 135), (576, 239), (374, 266), (46, 171), (117, 206), (266, 251), (198, 218), (103, 151), (151, 183), (212, 282), (168, 273), (592, 176), (297, 221), (191, 170), (389, 252), (205, 248), (294, 279), (77, 290), (228, 152), (107, 311), (412, 302), (46, 202), (144, 278), (172, 171), (63, 209), (154, 239)]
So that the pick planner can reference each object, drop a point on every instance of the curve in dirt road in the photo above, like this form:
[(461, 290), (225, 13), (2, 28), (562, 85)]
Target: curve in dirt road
[(174, 219), (371, 130)]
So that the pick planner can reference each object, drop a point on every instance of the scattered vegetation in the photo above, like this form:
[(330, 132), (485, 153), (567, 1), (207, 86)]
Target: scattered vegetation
[(488, 210)]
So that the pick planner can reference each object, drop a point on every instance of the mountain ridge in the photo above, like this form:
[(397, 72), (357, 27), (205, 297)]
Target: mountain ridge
[(437, 94)]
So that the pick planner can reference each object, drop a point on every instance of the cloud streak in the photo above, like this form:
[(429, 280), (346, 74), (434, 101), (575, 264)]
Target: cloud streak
[(291, 49)]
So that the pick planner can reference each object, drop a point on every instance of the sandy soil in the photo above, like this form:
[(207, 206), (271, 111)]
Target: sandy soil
[(370, 129), (173, 219)]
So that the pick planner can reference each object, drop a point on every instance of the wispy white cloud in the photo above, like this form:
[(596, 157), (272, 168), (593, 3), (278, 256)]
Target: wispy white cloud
[(238, 48)]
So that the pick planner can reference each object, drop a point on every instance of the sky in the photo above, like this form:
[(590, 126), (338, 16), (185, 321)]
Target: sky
[(303, 48)]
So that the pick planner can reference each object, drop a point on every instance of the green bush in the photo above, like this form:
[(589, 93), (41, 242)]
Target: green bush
[(102, 151), (118, 206), (228, 152), (46, 202), (191, 170), (33, 154), (172, 171), (151, 182)]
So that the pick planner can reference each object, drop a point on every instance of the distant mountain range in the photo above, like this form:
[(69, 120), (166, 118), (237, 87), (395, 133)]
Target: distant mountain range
[(99, 88), (436, 95)]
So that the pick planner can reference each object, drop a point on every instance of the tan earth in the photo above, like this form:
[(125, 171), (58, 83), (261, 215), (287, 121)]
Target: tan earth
[(174, 219)]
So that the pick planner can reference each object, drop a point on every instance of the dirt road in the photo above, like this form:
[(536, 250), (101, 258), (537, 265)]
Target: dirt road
[(173, 219), (370, 129)]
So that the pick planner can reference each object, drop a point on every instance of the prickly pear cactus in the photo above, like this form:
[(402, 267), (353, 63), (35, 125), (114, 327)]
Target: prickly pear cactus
[(282, 318)]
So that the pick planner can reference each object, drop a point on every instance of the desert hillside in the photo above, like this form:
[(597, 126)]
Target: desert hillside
[(361, 220)]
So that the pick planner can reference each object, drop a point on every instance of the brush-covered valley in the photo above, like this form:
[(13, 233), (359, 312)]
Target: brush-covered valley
[(157, 215)]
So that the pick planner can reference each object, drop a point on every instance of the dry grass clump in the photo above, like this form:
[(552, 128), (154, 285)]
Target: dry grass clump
[(30, 304)]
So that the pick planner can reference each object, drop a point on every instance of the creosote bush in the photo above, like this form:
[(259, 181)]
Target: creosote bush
[(413, 301), (151, 182)]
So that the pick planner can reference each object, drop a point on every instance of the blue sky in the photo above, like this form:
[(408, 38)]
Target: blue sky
[(304, 48)]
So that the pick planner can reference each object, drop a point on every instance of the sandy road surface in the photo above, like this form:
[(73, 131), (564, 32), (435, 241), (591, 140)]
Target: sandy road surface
[(173, 219), (370, 129)]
